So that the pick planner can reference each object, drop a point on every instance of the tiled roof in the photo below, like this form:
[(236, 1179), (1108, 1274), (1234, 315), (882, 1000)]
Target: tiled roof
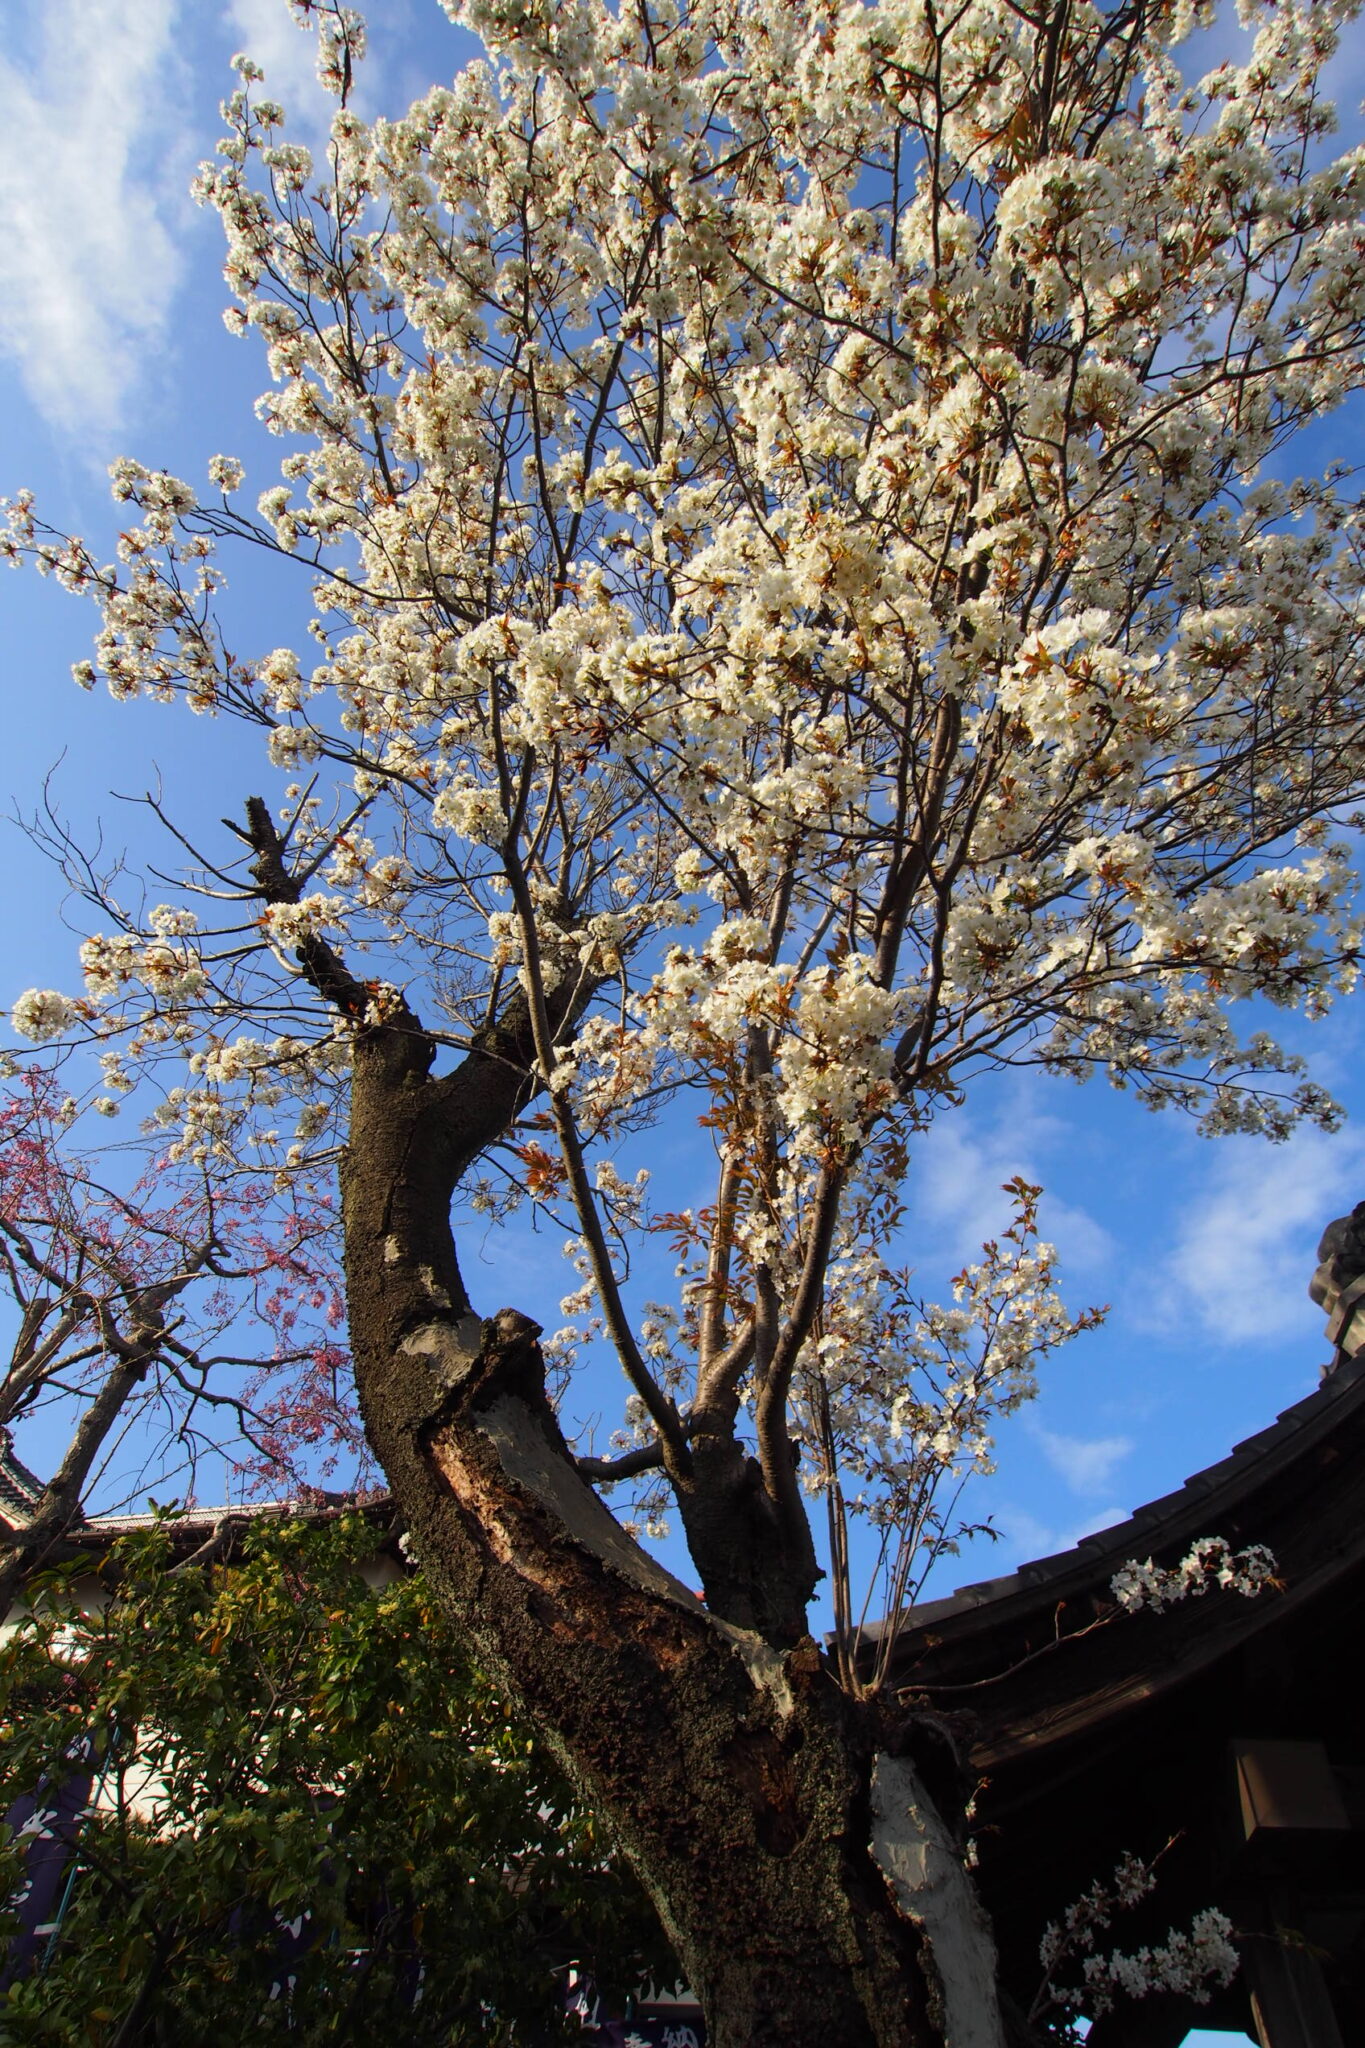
[(199, 1520), (1198, 1508), (20, 1489), (191, 1527)]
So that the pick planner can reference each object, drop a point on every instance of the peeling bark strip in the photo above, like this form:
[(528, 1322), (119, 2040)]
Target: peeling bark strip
[(924, 1868), (735, 1774)]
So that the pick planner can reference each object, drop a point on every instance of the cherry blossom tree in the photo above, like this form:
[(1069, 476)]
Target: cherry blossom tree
[(159, 1307), (813, 603)]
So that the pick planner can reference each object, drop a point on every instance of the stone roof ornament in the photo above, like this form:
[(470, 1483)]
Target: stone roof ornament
[(1338, 1285)]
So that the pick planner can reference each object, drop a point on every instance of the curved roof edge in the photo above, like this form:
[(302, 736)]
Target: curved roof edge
[(1207, 1499)]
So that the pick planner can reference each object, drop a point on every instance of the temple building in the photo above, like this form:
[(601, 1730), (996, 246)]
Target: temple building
[(1220, 1739), (1229, 1728)]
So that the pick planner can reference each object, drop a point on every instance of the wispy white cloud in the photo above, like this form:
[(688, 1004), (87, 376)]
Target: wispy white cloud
[(1025, 1536), (1249, 1233), (1086, 1463), (960, 1170), (88, 263)]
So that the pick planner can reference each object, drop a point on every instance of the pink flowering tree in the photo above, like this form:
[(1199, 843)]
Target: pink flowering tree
[(160, 1314), (812, 603)]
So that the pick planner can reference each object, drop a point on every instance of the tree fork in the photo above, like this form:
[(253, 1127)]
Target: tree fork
[(790, 1866), (757, 1564)]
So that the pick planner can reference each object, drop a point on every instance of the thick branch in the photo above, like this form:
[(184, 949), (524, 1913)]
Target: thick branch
[(660, 1409), (735, 1778), (22, 1548), (774, 1444)]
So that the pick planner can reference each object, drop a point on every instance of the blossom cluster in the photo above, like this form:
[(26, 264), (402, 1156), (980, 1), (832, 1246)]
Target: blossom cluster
[(1209, 1563), (43, 1013), (1190, 1964)]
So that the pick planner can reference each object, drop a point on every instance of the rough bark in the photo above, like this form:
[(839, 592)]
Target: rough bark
[(811, 1890), (755, 1572), (736, 1775)]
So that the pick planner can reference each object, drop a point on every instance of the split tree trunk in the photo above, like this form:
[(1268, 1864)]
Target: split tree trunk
[(809, 1887)]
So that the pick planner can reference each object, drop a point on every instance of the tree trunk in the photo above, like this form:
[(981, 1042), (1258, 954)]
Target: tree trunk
[(809, 1888)]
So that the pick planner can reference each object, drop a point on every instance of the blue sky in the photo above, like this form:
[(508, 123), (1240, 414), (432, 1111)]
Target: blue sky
[(111, 341)]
